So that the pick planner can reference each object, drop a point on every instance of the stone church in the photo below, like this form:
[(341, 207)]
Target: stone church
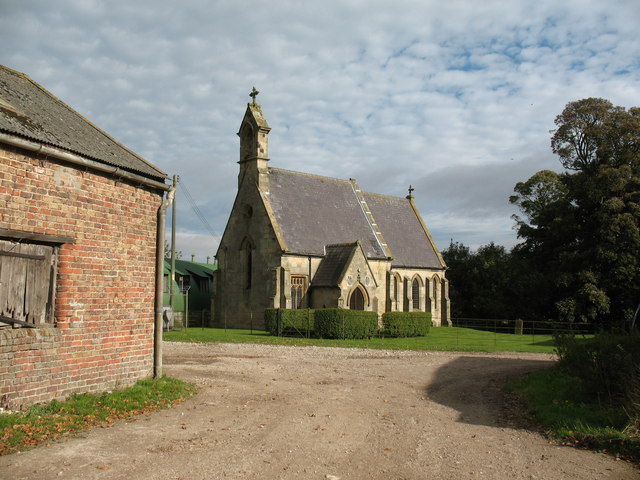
[(295, 240)]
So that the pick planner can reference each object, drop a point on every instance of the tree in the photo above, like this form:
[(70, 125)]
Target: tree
[(167, 251), (582, 226), (484, 283)]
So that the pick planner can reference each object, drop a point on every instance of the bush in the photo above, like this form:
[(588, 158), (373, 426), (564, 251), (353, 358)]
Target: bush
[(341, 323), (608, 365), (406, 324), (292, 320)]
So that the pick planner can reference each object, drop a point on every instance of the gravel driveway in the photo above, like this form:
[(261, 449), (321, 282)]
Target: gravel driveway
[(268, 412)]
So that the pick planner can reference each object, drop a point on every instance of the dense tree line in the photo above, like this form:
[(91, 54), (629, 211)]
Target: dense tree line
[(579, 258)]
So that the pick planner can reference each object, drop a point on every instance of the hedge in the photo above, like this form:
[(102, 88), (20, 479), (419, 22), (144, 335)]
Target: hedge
[(301, 320), (406, 324), (345, 324)]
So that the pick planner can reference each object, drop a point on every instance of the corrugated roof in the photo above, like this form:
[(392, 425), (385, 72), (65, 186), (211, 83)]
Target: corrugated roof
[(314, 211), (184, 267), (31, 112), (333, 265), (403, 232)]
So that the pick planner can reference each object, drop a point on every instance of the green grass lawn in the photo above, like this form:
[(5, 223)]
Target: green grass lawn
[(439, 338), (558, 402), (44, 423)]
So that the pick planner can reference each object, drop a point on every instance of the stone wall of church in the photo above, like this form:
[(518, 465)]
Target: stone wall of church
[(433, 293), (297, 265), (249, 277)]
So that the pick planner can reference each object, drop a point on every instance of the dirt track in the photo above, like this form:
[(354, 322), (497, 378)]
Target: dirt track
[(318, 413)]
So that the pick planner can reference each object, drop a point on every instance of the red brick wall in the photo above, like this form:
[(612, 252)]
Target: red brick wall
[(103, 337)]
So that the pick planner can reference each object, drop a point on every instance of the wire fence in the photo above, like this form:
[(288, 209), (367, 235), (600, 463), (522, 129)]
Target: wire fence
[(537, 330), (524, 327)]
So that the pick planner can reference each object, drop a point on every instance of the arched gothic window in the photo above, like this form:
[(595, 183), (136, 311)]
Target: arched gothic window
[(436, 286), (395, 291), (356, 302), (249, 267), (415, 294), (246, 253)]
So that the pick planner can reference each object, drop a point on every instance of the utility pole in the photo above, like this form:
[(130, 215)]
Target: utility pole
[(173, 246)]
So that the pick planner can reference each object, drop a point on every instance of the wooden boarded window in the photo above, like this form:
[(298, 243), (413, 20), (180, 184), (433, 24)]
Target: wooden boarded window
[(27, 283), (298, 289)]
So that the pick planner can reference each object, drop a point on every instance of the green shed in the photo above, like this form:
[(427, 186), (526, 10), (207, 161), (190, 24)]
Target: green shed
[(192, 292)]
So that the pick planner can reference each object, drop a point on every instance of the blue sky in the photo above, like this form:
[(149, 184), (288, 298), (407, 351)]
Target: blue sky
[(456, 98)]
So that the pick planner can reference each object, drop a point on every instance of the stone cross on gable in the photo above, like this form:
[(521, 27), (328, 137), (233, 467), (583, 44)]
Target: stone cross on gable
[(254, 93)]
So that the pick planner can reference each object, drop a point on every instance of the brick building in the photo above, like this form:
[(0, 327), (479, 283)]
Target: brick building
[(295, 240), (78, 225)]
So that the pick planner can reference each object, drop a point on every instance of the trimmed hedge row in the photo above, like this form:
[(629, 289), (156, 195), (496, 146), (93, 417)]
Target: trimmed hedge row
[(290, 319), (341, 323), (406, 324), (345, 324)]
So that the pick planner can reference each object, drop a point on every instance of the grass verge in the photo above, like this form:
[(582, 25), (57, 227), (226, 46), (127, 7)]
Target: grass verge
[(558, 402), (44, 423), (439, 338)]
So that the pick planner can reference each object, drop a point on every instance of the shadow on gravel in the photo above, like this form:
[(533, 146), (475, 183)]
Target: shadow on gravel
[(473, 386)]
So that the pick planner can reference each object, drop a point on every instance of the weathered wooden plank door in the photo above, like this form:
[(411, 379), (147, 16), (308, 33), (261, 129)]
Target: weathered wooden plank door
[(25, 281)]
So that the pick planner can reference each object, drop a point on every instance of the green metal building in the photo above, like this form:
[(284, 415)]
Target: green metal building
[(192, 291)]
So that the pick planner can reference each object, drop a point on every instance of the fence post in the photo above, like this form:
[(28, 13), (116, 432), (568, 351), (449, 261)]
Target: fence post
[(186, 310), (533, 332), (519, 326), (251, 321)]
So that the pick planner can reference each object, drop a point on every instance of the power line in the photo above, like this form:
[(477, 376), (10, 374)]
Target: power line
[(196, 209)]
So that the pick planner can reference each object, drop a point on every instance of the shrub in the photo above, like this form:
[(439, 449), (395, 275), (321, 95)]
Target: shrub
[(608, 365), (341, 323), (290, 320), (271, 320), (406, 324)]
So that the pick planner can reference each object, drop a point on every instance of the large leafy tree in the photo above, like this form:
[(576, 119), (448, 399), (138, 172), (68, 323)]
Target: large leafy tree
[(581, 228), (485, 282)]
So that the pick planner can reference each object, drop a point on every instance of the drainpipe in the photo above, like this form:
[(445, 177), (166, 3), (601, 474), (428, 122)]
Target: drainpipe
[(157, 338)]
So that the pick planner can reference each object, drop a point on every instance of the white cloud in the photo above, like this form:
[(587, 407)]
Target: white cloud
[(436, 94)]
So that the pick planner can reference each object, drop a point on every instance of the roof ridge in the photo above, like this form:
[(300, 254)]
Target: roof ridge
[(385, 195), (324, 177)]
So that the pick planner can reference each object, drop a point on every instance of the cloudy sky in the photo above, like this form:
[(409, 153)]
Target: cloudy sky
[(454, 97)]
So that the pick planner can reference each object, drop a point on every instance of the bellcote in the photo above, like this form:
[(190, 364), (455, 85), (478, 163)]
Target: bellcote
[(254, 144), (253, 133)]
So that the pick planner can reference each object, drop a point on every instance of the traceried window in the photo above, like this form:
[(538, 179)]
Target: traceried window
[(415, 294), (298, 289)]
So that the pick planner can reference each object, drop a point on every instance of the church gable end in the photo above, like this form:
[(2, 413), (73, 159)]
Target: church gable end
[(296, 240)]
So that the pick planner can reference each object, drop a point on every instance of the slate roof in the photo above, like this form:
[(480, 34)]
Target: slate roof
[(331, 269), (313, 211), (402, 231), (29, 111)]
